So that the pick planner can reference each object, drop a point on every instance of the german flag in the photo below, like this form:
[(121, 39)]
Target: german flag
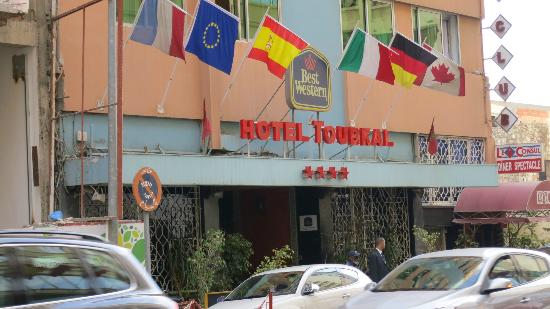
[(276, 46), (410, 62)]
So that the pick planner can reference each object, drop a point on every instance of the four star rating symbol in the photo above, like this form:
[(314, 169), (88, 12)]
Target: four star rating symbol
[(321, 173)]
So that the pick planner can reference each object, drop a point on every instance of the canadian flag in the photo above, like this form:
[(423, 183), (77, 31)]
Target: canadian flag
[(444, 75), (432, 140)]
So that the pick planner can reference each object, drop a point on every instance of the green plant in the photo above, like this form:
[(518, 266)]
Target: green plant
[(465, 241), (281, 257), (430, 240), (207, 263), (236, 253), (522, 236)]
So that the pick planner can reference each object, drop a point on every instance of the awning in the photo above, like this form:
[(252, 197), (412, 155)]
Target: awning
[(507, 203)]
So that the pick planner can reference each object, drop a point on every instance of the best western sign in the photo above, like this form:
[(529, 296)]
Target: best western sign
[(526, 158), (293, 131), (308, 82)]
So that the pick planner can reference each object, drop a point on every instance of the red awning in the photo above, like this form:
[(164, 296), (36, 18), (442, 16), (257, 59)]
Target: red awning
[(492, 205), (515, 196)]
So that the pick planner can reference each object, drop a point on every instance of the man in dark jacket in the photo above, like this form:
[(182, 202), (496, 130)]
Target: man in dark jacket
[(376, 262)]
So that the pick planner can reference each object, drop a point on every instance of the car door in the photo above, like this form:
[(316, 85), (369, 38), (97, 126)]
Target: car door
[(534, 271), (334, 288), (513, 298)]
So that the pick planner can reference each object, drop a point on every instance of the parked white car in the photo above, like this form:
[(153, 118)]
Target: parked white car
[(306, 287), (500, 278)]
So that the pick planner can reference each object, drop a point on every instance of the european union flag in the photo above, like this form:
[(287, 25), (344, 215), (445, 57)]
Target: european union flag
[(213, 36)]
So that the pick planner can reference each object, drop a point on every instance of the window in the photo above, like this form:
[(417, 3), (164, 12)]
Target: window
[(7, 284), (131, 8), (531, 267), (330, 278), (504, 268), (281, 283), (379, 18), (109, 274), (348, 276), (429, 274), (52, 273), (251, 13), (438, 30)]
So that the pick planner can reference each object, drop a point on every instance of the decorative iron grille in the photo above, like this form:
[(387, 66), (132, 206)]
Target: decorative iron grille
[(360, 215), (175, 229), (450, 150)]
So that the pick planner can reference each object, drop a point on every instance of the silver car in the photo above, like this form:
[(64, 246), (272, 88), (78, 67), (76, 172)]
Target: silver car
[(65, 271), (467, 278)]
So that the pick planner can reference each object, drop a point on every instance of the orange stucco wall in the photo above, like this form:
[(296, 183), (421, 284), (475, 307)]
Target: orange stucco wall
[(146, 72)]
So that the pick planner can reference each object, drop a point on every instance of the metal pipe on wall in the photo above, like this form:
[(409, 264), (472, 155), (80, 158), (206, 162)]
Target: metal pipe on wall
[(120, 115), (112, 127)]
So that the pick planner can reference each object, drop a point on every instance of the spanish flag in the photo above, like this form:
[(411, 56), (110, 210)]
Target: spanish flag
[(276, 46), (410, 62)]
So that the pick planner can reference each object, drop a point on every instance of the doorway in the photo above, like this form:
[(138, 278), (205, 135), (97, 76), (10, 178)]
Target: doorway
[(14, 158)]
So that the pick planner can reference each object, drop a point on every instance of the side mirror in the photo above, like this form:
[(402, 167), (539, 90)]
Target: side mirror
[(310, 289), (370, 286), (498, 284)]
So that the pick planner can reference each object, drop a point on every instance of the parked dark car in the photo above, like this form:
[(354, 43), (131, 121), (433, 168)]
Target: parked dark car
[(44, 269)]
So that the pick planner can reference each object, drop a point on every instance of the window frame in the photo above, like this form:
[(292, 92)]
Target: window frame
[(248, 37), (366, 14), (391, 3), (415, 24), (514, 263), (519, 269), (85, 265)]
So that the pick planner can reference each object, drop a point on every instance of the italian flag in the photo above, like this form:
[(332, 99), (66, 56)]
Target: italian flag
[(365, 55)]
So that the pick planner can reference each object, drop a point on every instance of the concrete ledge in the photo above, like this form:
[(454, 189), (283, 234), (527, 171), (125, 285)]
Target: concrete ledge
[(19, 32), (243, 171)]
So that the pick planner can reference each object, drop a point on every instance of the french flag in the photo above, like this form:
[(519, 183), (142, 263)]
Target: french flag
[(160, 24)]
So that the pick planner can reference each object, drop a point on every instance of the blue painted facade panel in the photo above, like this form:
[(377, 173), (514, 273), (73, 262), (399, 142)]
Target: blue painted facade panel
[(140, 133)]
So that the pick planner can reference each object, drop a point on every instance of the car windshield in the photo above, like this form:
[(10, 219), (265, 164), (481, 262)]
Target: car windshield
[(282, 283), (433, 274)]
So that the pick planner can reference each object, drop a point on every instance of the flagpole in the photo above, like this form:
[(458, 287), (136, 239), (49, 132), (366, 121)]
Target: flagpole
[(160, 107), (251, 44), (128, 38), (362, 102), (388, 114)]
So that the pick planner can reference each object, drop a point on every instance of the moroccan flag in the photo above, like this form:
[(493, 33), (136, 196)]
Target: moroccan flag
[(367, 56), (276, 46), (445, 75), (410, 62), (432, 140), (206, 130)]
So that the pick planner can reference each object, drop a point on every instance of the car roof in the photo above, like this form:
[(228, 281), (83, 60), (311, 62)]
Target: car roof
[(476, 252), (302, 268)]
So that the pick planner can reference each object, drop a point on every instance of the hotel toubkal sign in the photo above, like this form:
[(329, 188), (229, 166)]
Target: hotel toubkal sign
[(308, 85)]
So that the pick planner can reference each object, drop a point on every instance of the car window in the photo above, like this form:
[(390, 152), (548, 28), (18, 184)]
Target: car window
[(109, 275), (504, 268), (281, 283), (531, 267), (7, 280), (327, 278), (348, 276), (52, 273)]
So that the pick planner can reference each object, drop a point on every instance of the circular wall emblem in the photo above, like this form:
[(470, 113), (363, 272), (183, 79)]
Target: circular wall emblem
[(207, 39), (147, 189)]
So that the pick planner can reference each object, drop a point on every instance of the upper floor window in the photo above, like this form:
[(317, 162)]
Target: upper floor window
[(375, 15), (131, 8), (439, 30), (251, 13)]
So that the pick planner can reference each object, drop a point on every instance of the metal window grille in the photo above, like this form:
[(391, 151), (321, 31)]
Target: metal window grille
[(450, 150), (360, 215), (175, 229)]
